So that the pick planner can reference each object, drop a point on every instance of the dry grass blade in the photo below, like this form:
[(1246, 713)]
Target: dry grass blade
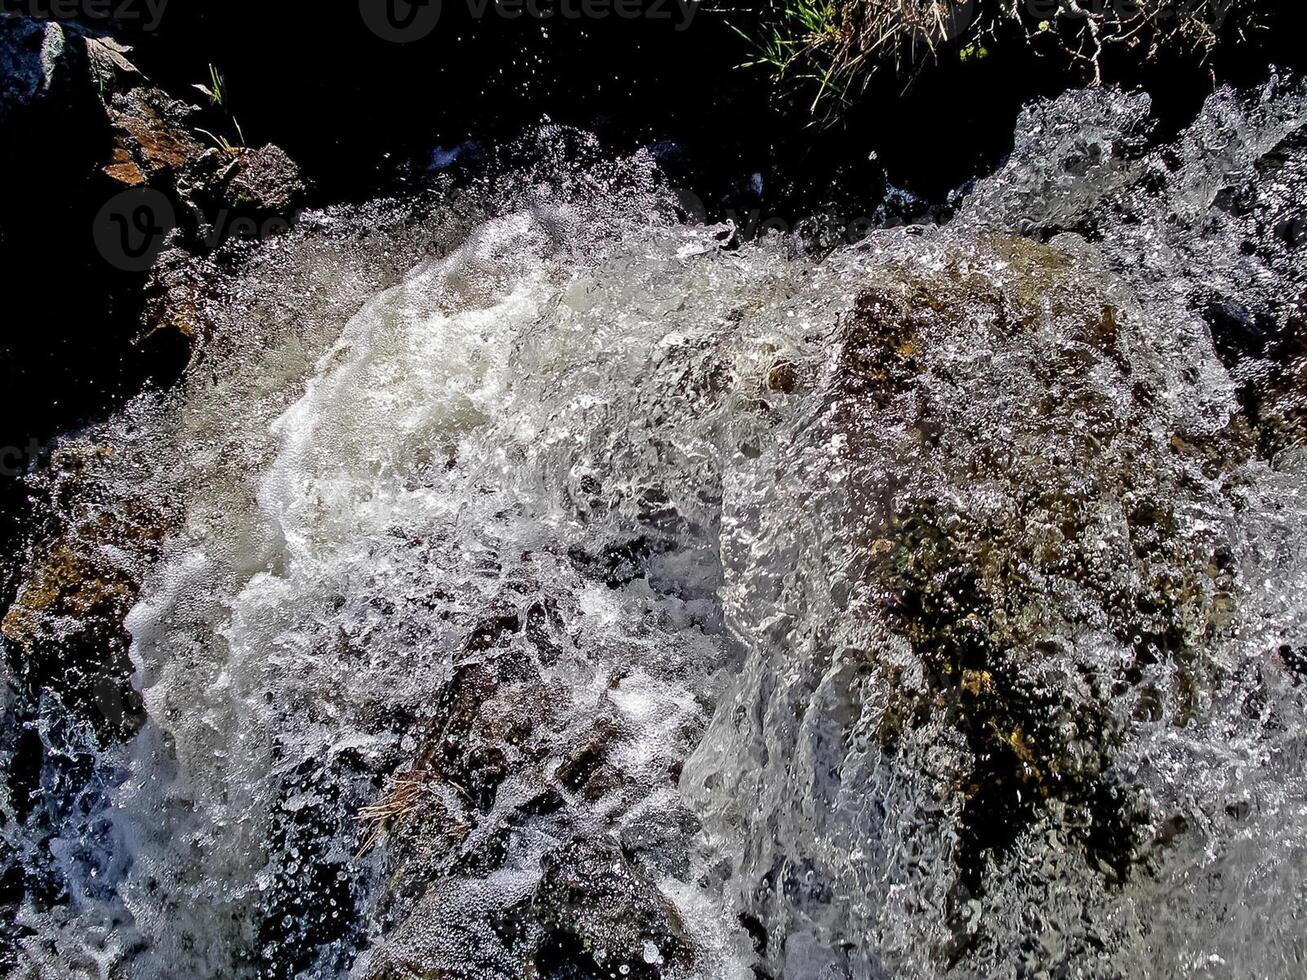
[(837, 46), (406, 792)]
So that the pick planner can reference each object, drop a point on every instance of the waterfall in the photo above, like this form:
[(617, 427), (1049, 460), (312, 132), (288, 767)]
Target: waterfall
[(553, 587)]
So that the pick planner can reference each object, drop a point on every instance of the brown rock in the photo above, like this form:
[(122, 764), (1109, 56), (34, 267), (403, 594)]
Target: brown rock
[(151, 130), (264, 180), (65, 626), (124, 169)]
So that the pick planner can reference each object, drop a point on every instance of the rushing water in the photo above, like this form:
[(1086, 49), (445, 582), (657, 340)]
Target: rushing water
[(550, 587)]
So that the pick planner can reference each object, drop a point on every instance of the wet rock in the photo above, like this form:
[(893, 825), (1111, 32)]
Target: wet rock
[(153, 142), (311, 885), (57, 80), (223, 196), (52, 124), (999, 563), (601, 916), (85, 104), (1224, 201), (510, 765), (495, 715), (178, 293), (79, 125), (65, 627), (110, 65), (265, 181), (658, 842), (1272, 366), (584, 762), (33, 61), (49, 65), (972, 589)]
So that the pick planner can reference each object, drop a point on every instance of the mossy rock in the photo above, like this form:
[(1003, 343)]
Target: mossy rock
[(65, 626), (1275, 398), (998, 543), (599, 915)]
